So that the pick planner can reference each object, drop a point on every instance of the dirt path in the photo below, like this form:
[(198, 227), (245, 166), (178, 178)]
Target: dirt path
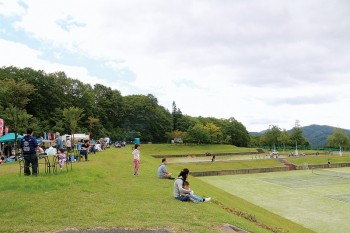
[(226, 228)]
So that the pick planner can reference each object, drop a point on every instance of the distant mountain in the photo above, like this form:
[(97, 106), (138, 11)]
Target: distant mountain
[(315, 134)]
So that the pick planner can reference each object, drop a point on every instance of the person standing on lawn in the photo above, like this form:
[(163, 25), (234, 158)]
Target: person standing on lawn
[(29, 147), (136, 154)]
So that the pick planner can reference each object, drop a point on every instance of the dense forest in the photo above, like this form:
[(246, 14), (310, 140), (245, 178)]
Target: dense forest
[(56, 103)]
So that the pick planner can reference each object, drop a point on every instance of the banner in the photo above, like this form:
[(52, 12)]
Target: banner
[(1, 126), (7, 129)]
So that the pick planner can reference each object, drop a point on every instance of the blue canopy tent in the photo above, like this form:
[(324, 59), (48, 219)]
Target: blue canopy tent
[(10, 137)]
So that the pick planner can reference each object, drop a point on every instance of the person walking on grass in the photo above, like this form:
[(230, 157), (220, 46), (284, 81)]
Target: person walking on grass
[(136, 154), (162, 171)]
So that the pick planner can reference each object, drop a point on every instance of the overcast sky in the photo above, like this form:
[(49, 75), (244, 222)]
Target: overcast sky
[(261, 62)]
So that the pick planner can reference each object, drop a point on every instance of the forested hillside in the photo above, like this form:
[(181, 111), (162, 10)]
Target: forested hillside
[(317, 134), (56, 103)]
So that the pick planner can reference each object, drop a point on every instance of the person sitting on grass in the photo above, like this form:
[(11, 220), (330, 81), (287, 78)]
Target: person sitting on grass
[(178, 189), (162, 171), (194, 198), (180, 192), (61, 158)]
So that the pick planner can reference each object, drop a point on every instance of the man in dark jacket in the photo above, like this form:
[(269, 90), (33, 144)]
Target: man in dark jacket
[(29, 147)]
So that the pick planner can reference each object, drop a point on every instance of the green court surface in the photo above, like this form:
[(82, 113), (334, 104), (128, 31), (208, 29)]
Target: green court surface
[(316, 199)]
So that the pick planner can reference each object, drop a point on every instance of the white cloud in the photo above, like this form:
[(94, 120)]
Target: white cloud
[(262, 62), (11, 8), (28, 57)]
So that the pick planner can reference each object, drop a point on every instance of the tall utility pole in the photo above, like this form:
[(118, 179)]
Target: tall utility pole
[(296, 125)]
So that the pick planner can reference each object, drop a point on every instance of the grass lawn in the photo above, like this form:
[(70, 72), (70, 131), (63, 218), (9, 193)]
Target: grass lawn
[(189, 149), (240, 164), (104, 193), (319, 201)]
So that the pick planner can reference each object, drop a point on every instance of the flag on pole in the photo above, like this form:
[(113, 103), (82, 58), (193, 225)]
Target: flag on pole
[(1, 126)]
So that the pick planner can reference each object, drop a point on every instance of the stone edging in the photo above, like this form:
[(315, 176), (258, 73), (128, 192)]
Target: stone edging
[(263, 170)]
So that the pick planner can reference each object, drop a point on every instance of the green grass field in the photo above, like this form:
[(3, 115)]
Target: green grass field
[(319, 201), (104, 193)]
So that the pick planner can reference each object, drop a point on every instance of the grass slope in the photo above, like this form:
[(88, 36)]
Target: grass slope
[(104, 193)]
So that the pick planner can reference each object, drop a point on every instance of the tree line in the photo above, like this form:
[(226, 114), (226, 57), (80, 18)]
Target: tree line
[(53, 102), (56, 103), (275, 137)]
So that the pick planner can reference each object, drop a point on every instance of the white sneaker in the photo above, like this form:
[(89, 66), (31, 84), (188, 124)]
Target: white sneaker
[(207, 199)]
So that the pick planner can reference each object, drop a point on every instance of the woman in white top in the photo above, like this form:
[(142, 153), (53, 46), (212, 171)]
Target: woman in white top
[(136, 154)]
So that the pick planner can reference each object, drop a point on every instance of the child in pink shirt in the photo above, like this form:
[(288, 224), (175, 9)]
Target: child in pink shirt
[(136, 154)]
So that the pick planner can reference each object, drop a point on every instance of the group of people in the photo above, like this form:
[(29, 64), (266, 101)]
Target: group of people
[(30, 148), (182, 190), (6, 149), (84, 148)]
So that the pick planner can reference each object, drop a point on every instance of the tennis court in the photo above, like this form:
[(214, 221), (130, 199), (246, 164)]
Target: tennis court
[(317, 199)]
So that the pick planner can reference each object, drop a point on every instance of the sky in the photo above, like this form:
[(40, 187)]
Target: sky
[(271, 62)]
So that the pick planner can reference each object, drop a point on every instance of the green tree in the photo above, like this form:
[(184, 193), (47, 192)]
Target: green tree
[(176, 116), (92, 121), (72, 115), (254, 141), (297, 138), (236, 131), (198, 134), (146, 119), (272, 135), (185, 122), (177, 134), (214, 131), (18, 121), (284, 138), (339, 139), (15, 93)]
